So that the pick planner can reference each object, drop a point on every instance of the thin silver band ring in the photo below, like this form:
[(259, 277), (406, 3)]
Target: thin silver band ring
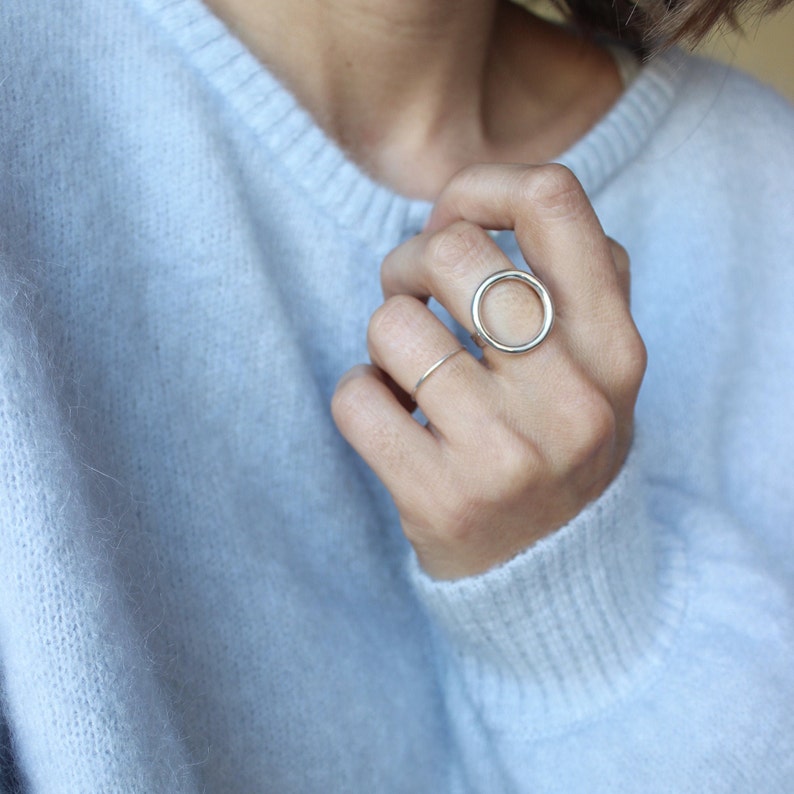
[(432, 369), (483, 336)]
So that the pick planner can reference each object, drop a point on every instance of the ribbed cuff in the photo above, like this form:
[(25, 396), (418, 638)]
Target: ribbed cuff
[(567, 625)]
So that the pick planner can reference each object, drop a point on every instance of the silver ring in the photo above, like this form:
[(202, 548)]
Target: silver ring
[(432, 369), (482, 335)]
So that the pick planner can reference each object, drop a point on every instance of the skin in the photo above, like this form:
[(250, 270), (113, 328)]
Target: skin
[(417, 92), (517, 445)]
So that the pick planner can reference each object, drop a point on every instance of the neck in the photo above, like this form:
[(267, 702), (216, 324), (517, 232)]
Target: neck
[(412, 89), (370, 69)]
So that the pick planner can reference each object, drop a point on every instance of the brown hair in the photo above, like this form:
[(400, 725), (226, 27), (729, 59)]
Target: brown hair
[(650, 25)]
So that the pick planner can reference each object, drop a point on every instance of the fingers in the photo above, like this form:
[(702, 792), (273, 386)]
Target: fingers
[(518, 446), (555, 226), (401, 452), (621, 259), (449, 265), (406, 339), (562, 241)]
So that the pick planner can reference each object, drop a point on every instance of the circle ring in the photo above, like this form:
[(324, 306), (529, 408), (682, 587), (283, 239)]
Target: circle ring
[(482, 334)]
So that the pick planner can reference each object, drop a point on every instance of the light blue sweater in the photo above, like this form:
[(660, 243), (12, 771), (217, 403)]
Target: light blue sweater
[(203, 589)]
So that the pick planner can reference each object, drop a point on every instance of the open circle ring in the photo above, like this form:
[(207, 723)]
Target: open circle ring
[(482, 335)]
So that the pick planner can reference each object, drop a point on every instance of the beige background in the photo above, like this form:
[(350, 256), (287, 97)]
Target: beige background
[(765, 49)]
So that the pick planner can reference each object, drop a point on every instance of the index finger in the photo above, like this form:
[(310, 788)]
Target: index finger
[(555, 226)]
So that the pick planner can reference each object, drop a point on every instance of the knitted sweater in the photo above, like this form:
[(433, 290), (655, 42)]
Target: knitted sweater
[(203, 589)]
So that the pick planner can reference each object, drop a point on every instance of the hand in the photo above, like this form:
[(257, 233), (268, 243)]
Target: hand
[(516, 445)]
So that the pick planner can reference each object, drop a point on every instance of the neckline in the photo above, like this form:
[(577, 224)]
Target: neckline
[(370, 211)]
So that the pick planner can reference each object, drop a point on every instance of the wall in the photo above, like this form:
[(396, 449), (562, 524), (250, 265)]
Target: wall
[(765, 49)]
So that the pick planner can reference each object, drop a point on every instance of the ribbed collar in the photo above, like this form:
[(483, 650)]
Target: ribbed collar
[(370, 211)]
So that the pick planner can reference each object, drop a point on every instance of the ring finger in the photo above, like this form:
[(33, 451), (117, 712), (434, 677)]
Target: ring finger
[(407, 341)]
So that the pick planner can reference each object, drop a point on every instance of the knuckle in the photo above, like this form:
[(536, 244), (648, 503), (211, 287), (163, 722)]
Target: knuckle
[(629, 362), (599, 421), (450, 250), (391, 317), (554, 189), (598, 436), (347, 402), (389, 271), (620, 255), (590, 426), (358, 420), (462, 181)]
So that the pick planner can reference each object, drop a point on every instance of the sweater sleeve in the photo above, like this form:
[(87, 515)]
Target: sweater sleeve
[(647, 645), (639, 619)]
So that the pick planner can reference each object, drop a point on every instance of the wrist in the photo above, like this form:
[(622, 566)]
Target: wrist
[(579, 614)]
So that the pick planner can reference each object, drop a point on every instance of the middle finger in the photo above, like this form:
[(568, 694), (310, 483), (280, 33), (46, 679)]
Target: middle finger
[(449, 264)]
